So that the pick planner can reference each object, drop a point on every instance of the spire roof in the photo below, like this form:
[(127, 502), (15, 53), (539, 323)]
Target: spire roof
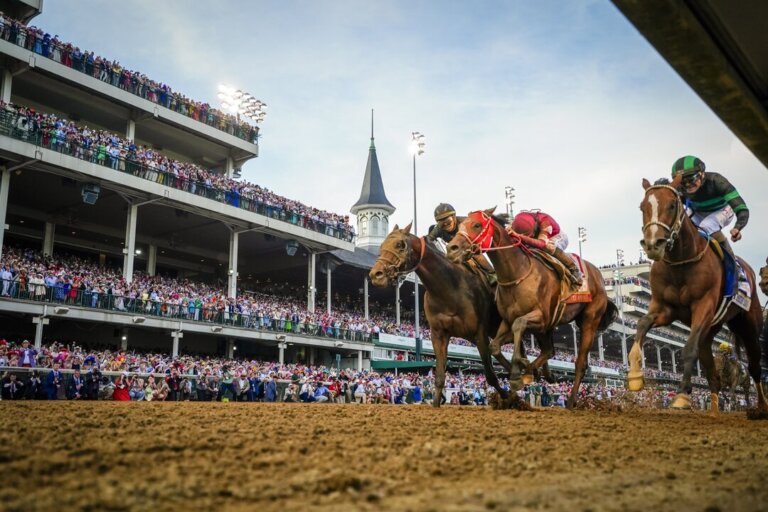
[(372, 194)]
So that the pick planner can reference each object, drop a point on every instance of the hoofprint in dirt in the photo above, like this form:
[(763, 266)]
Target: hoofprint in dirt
[(130, 456)]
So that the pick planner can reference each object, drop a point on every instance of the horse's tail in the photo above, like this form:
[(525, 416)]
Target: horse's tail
[(611, 312)]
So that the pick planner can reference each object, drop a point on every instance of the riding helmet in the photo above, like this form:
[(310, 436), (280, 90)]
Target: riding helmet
[(688, 165), (443, 211)]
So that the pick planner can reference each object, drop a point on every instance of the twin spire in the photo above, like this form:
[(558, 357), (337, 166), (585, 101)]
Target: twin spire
[(372, 194)]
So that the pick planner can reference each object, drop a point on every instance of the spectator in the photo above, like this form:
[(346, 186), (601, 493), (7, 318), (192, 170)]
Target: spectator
[(53, 383), (75, 386), (13, 389)]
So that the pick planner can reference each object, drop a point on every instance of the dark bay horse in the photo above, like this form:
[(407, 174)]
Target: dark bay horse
[(687, 283), (457, 302), (528, 294)]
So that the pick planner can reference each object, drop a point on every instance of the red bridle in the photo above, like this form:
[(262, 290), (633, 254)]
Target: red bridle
[(484, 239)]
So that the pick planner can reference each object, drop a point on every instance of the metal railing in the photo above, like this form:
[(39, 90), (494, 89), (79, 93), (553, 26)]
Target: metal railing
[(62, 294), (20, 127), (132, 82)]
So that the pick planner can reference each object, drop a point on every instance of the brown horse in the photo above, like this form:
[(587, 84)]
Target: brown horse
[(528, 295), (687, 282), (732, 375), (457, 302)]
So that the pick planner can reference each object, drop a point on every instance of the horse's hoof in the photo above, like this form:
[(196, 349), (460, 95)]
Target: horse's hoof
[(635, 381), (681, 401), (527, 378)]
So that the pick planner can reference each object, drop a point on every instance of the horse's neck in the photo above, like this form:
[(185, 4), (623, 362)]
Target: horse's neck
[(509, 262), (433, 270), (689, 243)]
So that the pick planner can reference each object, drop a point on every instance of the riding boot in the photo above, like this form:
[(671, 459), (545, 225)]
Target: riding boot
[(574, 274), (486, 268), (723, 241)]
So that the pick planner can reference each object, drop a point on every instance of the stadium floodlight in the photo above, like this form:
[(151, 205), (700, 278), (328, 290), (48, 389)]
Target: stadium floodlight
[(619, 257), (582, 238), (417, 149), (509, 194), (240, 103)]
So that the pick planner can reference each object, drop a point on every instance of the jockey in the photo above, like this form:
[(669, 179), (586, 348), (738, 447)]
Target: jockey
[(446, 227), (537, 224), (711, 200)]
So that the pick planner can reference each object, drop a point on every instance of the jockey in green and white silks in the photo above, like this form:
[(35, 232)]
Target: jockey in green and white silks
[(711, 200)]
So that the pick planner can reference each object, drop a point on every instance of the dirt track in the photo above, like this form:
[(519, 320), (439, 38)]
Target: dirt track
[(189, 456)]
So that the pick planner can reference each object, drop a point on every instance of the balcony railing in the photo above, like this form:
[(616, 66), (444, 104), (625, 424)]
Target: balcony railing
[(129, 81), (61, 295), (99, 155)]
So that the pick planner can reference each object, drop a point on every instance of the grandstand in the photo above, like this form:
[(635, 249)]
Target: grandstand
[(130, 180)]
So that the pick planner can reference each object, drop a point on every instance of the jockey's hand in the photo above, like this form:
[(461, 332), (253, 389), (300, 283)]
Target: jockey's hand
[(551, 246), (735, 235)]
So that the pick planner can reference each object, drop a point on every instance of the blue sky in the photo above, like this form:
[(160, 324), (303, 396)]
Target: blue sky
[(564, 101)]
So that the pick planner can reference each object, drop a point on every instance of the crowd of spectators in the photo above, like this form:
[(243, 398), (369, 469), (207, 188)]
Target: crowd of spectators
[(112, 72), (76, 373), (104, 148)]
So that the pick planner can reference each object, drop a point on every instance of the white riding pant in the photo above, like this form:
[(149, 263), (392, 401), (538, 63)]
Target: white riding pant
[(712, 222), (561, 240)]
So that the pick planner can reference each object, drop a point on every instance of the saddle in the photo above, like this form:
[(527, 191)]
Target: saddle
[(568, 294)]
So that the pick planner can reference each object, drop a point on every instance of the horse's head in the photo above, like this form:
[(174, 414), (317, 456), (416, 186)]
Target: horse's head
[(764, 278), (663, 214), (475, 233), (396, 257)]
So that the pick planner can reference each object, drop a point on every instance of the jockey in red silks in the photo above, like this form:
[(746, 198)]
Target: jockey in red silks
[(539, 225)]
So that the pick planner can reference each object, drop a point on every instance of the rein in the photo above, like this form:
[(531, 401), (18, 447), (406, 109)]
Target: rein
[(674, 230), (393, 267)]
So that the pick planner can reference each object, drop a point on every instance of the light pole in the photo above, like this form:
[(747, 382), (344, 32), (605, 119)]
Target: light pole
[(618, 275), (582, 238), (417, 148), (509, 193), (619, 258)]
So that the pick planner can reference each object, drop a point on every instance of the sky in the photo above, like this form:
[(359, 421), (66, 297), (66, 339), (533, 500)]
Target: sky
[(564, 101)]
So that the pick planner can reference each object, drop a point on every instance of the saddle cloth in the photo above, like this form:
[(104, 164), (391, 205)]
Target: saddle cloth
[(737, 288)]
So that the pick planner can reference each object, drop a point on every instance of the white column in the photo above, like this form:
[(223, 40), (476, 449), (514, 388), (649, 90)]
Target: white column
[(234, 238), (658, 356), (176, 336), (533, 344), (48, 235), (130, 129), (281, 352), (674, 361), (230, 167), (698, 368), (5, 183), (124, 341), (312, 351), (129, 249), (230, 348), (643, 358), (600, 347), (328, 286), (5, 86), (152, 260), (624, 347), (39, 322), (311, 284), (359, 360), (397, 304), (575, 340), (365, 296)]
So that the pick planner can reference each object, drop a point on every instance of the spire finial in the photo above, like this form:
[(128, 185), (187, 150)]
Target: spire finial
[(372, 146)]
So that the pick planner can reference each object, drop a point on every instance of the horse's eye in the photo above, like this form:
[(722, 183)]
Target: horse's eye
[(401, 245)]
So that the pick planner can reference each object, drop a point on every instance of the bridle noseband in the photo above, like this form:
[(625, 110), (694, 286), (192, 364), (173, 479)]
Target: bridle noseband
[(673, 231), (392, 269)]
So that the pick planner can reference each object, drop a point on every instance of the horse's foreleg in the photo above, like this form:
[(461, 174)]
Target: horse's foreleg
[(490, 373), (547, 348), (440, 347), (519, 326), (654, 318), (700, 321), (503, 335)]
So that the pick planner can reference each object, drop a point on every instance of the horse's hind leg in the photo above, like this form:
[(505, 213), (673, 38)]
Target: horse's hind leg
[(531, 319), (588, 325), (745, 326), (485, 357), (502, 335), (546, 344)]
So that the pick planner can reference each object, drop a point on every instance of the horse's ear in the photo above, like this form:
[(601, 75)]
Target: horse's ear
[(646, 184), (675, 183), (395, 228), (489, 211), (407, 228)]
